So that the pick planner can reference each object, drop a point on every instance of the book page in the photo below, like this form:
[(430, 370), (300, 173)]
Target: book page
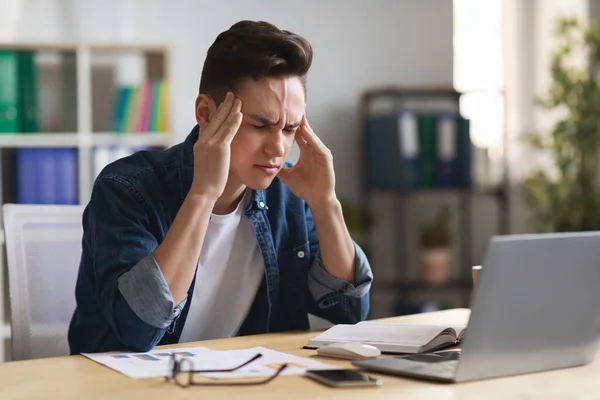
[(445, 338), (458, 331), (372, 332)]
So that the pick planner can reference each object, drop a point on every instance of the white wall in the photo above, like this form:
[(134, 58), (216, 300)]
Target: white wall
[(357, 44)]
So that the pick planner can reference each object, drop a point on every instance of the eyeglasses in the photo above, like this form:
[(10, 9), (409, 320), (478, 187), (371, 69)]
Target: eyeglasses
[(178, 373)]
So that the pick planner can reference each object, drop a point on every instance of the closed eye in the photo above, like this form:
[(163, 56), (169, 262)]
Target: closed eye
[(288, 130)]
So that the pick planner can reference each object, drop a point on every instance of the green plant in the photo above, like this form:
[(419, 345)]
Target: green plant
[(356, 217), (437, 232), (567, 197)]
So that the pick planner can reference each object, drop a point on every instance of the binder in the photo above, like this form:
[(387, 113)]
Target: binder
[(446, 154), (154, 113), (408, 137), (120, 111), (28, 99), (163, 111), (144, 109), (66, 170), (383, 152), (9, 92), (132, 107), (427, 149), (25, 173), (46, 176), (393, 150)]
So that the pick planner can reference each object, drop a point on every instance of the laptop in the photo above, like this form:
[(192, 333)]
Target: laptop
[(536, 307)]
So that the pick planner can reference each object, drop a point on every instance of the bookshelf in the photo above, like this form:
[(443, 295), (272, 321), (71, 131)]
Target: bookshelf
[(80, 64), (391, 102), (99, 101)]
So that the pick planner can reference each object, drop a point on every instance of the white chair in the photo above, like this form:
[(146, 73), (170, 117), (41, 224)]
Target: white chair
[(43, 248)]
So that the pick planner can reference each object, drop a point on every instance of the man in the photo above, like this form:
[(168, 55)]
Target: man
[(214, 237)]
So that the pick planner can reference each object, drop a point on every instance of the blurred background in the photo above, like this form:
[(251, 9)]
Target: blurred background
[(449, 121)]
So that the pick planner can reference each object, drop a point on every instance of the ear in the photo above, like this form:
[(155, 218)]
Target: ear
[(205, 109)]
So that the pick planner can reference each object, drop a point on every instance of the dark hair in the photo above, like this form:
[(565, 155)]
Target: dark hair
[(252, 49)]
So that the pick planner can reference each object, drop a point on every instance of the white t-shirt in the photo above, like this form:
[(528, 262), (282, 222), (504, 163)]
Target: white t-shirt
[(230, 271)]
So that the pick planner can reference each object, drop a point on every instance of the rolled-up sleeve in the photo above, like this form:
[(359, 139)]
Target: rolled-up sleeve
[(321, 283), (129, 286), (147, 293), (332, 298)]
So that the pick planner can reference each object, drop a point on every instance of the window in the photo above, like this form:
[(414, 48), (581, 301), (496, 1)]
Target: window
[(478, 73)]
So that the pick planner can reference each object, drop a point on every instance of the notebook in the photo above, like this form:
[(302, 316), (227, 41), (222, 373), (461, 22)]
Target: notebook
[(391, 337)]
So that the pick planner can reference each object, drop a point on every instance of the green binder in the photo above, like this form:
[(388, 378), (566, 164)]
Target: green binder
[(427, 146), (28, 99), (9, 92)]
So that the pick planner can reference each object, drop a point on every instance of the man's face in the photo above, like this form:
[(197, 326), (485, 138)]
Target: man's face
[(273, 110)]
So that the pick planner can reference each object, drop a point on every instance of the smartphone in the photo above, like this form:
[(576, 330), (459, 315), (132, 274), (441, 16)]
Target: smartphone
[(342, 377)]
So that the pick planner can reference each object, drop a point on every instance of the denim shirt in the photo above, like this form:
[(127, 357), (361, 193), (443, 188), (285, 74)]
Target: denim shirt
[(123, 300)]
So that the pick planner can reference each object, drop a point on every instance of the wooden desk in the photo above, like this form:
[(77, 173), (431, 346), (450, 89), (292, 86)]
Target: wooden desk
[(77, 377)]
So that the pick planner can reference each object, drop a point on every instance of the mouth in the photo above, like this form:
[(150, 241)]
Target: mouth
[(268, 168)]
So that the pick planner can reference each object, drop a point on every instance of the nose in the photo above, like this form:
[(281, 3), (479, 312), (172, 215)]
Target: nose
[(275, 146)]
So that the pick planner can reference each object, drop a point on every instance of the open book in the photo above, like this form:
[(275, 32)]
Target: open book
[(391, 337)]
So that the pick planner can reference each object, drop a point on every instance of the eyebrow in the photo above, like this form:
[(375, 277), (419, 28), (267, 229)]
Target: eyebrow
[(267, 121)]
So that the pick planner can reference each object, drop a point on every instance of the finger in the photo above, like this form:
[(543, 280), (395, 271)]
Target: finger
[(221, 115), (232, 124), (299, 139), (306, 153), (311, 138), (305, 122), (313, 142), (308, 132)]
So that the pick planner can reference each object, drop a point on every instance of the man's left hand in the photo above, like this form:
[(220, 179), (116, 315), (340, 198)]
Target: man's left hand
[(312, 178)]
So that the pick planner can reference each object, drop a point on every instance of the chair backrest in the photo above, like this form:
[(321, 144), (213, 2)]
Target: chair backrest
[(43, 249)]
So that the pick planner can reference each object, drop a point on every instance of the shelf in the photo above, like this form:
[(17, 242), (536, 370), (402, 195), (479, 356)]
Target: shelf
[(458, 286), (131, 139), (71, 46), (79, 140), (489, 190), (411, 91)]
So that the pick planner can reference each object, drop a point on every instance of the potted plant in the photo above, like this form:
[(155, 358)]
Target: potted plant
[(566, 197), (357, 219), (436, 248)]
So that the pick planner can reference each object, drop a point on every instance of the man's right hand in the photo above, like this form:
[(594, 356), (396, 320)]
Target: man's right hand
[(212, 150)]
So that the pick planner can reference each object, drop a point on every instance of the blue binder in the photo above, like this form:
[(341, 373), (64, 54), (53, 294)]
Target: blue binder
[(392, 151), (46, 176)]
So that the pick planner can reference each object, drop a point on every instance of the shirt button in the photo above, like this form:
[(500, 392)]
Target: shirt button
[(300, 254), (261, 204)]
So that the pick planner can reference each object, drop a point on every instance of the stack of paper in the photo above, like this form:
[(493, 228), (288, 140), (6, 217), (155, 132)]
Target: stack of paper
[(155, 364)]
